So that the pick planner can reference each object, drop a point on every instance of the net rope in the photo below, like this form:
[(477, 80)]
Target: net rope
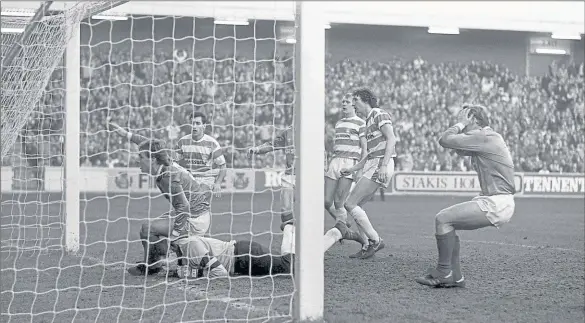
[(148, 74)]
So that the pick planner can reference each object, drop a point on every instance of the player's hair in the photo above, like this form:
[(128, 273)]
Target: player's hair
[(199, 114), (366, 96), (480, 113), (156, 149)]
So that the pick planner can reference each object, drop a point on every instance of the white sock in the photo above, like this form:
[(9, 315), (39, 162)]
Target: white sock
[(288, 240), (363, 235), (333, 212), (341, 214), (330, 238), (361, 218)]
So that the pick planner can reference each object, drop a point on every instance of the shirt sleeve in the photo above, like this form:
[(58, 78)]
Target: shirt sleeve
[(470, 142), (217, 155), (382, 119)]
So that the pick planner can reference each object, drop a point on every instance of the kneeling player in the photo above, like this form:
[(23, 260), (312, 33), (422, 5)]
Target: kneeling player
[(349, 148), (492, 161), (214, 258), (190, 214)]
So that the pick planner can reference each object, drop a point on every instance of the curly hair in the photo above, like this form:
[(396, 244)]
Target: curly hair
[(156, 149), (366, 96)]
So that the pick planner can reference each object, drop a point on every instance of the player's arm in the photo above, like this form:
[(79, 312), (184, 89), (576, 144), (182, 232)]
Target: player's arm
[(363, 142), (172, 182), (219, 161), (133, 137), (388, 133), (452, 138), (279, 143)]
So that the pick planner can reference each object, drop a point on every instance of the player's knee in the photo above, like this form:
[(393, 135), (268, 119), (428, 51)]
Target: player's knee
[(328, 204), (442, 222), (349, 205)]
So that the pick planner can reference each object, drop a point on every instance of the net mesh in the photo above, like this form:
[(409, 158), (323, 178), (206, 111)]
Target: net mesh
[(148, 74)]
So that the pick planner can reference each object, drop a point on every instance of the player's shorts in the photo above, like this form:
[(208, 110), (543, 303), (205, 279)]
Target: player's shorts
[(287, 181), (252, 259), (499, 208), (371, 171), (336, 165), (195, 226)]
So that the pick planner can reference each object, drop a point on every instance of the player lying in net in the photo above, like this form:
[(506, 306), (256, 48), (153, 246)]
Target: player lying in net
[(189, 198), (212, 258), (492, 161)]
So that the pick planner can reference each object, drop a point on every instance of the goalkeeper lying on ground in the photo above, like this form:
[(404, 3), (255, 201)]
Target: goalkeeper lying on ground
[(214, 258), (189, 198)]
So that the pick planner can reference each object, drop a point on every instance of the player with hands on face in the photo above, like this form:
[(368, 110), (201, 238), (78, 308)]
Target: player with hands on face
[(491, 159)]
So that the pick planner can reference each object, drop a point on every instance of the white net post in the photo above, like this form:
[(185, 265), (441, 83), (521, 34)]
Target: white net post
[(72, 127), (309, 142)]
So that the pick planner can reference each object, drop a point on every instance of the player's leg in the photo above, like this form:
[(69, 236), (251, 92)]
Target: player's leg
[(462, 216), (151, 233), (341, 195), (364, 189), (341, 232), (330, 189), (253, 259), (332, 175)]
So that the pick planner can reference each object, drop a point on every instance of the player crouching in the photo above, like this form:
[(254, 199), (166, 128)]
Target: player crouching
[(189, 199), (492, 161)]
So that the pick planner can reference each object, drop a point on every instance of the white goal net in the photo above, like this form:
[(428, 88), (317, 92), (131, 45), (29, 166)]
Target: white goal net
[(148, 74)]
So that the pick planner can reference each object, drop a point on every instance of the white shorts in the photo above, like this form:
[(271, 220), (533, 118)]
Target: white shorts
[(336, 165), (499, 208), (287, 181), (371, 171), (196, 226)]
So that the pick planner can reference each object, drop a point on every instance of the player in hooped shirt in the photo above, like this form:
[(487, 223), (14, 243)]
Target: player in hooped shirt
[(201, 154), (491, 159), (285, 141), (377, 167), (349, 148)]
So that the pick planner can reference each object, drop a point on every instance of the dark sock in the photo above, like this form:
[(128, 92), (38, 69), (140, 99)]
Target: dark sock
[(455, 262), (445, 243)]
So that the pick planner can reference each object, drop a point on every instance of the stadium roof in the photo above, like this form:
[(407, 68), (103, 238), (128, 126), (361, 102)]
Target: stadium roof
[(545, 16)]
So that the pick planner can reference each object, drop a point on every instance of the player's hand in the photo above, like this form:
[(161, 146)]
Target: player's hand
[(216, 188), (346, 171), (383, 174), (464, 116), (252, 151), (358, 175)]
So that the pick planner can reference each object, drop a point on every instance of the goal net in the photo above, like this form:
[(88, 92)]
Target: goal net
[(148, 74)]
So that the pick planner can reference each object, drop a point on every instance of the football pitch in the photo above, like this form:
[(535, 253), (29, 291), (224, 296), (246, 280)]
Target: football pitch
[(531, 270)]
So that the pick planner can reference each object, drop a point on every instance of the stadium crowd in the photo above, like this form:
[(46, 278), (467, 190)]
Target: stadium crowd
[(541, 118)]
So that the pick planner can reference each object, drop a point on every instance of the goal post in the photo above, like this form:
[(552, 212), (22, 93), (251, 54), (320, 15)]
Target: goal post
[(71, 170), (309, 141)]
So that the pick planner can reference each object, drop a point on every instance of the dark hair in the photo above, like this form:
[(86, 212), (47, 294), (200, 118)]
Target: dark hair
[(156, 149), (198, 114), (367, 96), (480, 113)]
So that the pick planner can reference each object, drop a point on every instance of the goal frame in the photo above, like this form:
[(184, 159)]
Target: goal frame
[(309, 145)]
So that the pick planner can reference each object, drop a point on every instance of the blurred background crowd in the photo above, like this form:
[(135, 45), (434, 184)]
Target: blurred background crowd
[(541, 118)]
